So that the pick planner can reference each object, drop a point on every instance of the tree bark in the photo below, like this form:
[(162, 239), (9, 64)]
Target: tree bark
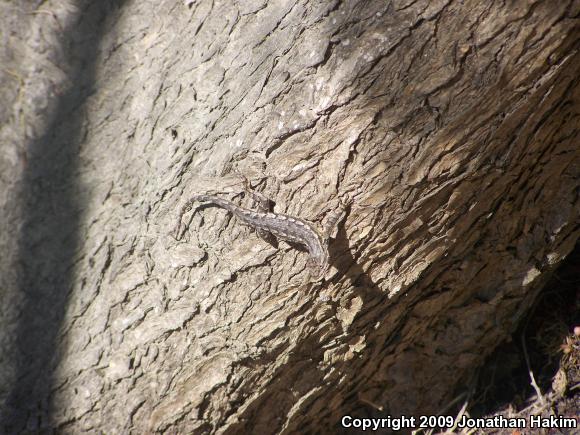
[(452, 125)]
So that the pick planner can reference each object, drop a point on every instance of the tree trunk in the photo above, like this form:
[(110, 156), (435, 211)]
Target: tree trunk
[(452, 125)]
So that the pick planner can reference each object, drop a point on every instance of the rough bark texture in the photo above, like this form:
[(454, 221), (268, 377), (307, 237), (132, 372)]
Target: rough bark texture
[(454, 125)]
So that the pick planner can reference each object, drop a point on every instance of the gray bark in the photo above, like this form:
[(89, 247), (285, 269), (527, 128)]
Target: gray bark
[(453, 125)]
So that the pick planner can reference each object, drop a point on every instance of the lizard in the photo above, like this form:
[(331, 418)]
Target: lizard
[(279, 225)]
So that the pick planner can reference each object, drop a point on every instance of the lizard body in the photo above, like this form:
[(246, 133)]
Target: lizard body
[(282, 226)]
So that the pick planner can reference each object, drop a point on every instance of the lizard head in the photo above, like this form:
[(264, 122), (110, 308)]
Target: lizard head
[(319, 260)]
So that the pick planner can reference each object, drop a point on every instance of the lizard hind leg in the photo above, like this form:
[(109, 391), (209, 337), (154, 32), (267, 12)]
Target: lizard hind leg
[(267, 237), (264, 203)]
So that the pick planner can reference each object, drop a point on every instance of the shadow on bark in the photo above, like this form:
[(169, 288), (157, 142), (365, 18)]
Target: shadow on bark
[(51, 204)]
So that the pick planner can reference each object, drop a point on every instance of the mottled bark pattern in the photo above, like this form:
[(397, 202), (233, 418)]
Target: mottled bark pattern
[(453, 125)]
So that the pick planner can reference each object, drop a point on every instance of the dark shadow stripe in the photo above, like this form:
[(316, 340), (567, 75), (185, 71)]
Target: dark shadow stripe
[(51, 207)]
